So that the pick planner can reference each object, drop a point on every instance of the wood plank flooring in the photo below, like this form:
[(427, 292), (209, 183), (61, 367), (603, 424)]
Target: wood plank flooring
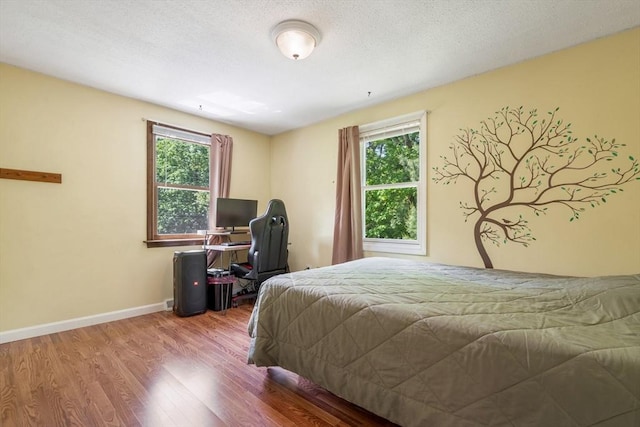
[(160, 370)]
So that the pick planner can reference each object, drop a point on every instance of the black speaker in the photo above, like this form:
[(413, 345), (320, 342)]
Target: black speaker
[(189, 282)]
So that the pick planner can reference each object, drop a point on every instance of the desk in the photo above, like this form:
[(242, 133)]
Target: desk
[(225, 248), (226, 236), (233, 252), (207, 233)]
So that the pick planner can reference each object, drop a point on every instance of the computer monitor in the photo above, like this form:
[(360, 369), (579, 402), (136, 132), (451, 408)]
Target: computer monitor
[(232, 213)]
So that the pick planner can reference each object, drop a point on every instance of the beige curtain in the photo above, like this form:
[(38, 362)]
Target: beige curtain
[(219, 183), (347, 230)]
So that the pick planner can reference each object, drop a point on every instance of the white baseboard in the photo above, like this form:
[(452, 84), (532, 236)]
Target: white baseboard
[(80, 322)]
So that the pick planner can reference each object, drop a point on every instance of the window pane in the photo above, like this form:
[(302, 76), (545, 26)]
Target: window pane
[(180, 162), (182, 211), (391, 213), (393, 160)]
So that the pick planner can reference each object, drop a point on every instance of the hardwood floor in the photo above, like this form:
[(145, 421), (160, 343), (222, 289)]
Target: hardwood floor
[(160, 370)]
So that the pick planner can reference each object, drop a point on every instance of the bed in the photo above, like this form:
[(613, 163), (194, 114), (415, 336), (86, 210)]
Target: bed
[(425, 344)]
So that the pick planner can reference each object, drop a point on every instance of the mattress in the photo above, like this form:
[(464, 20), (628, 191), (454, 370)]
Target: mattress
[(425, 344)]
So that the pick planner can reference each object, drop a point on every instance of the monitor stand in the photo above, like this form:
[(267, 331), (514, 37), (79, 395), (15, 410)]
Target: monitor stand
[(234, 231)]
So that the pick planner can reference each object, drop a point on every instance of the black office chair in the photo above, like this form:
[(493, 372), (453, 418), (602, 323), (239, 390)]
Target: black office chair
[(268, 254)]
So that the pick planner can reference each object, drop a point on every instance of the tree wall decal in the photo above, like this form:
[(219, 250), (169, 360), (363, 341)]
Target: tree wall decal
[(519, 163)]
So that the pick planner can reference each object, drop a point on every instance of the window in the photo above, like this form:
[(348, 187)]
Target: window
[(178, 184), (393, 154)]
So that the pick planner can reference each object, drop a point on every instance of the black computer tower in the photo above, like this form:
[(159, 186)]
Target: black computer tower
[(189, 282)]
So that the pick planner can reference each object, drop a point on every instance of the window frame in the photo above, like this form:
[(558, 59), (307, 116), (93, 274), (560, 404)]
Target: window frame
[(189, 136), (391, 126)]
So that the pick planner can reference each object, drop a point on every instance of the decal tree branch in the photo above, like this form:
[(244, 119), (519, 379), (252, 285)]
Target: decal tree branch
[(518, 162)]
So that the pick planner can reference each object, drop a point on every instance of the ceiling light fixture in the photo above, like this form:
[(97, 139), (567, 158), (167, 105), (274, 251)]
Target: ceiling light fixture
[(295, 39)]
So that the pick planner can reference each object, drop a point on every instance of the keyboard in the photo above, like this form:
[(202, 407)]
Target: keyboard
[(242, 243)]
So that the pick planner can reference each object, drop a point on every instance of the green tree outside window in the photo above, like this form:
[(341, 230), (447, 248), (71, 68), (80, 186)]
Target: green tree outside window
[(390, 187), (182, 179)]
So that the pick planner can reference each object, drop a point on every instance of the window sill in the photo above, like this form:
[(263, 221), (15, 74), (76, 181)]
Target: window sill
[(395, 248), (174, 242)]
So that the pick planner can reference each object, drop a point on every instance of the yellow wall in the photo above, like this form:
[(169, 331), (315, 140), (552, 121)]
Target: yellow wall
[(76, 249), (596, 86)]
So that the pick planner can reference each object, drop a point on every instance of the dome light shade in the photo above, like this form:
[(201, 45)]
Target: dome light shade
[(295, 39)]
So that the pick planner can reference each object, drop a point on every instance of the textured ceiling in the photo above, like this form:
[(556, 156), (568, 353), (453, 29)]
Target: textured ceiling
[(215, 58)]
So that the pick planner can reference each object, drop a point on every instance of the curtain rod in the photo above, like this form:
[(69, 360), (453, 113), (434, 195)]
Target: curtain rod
[(160, 123)]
